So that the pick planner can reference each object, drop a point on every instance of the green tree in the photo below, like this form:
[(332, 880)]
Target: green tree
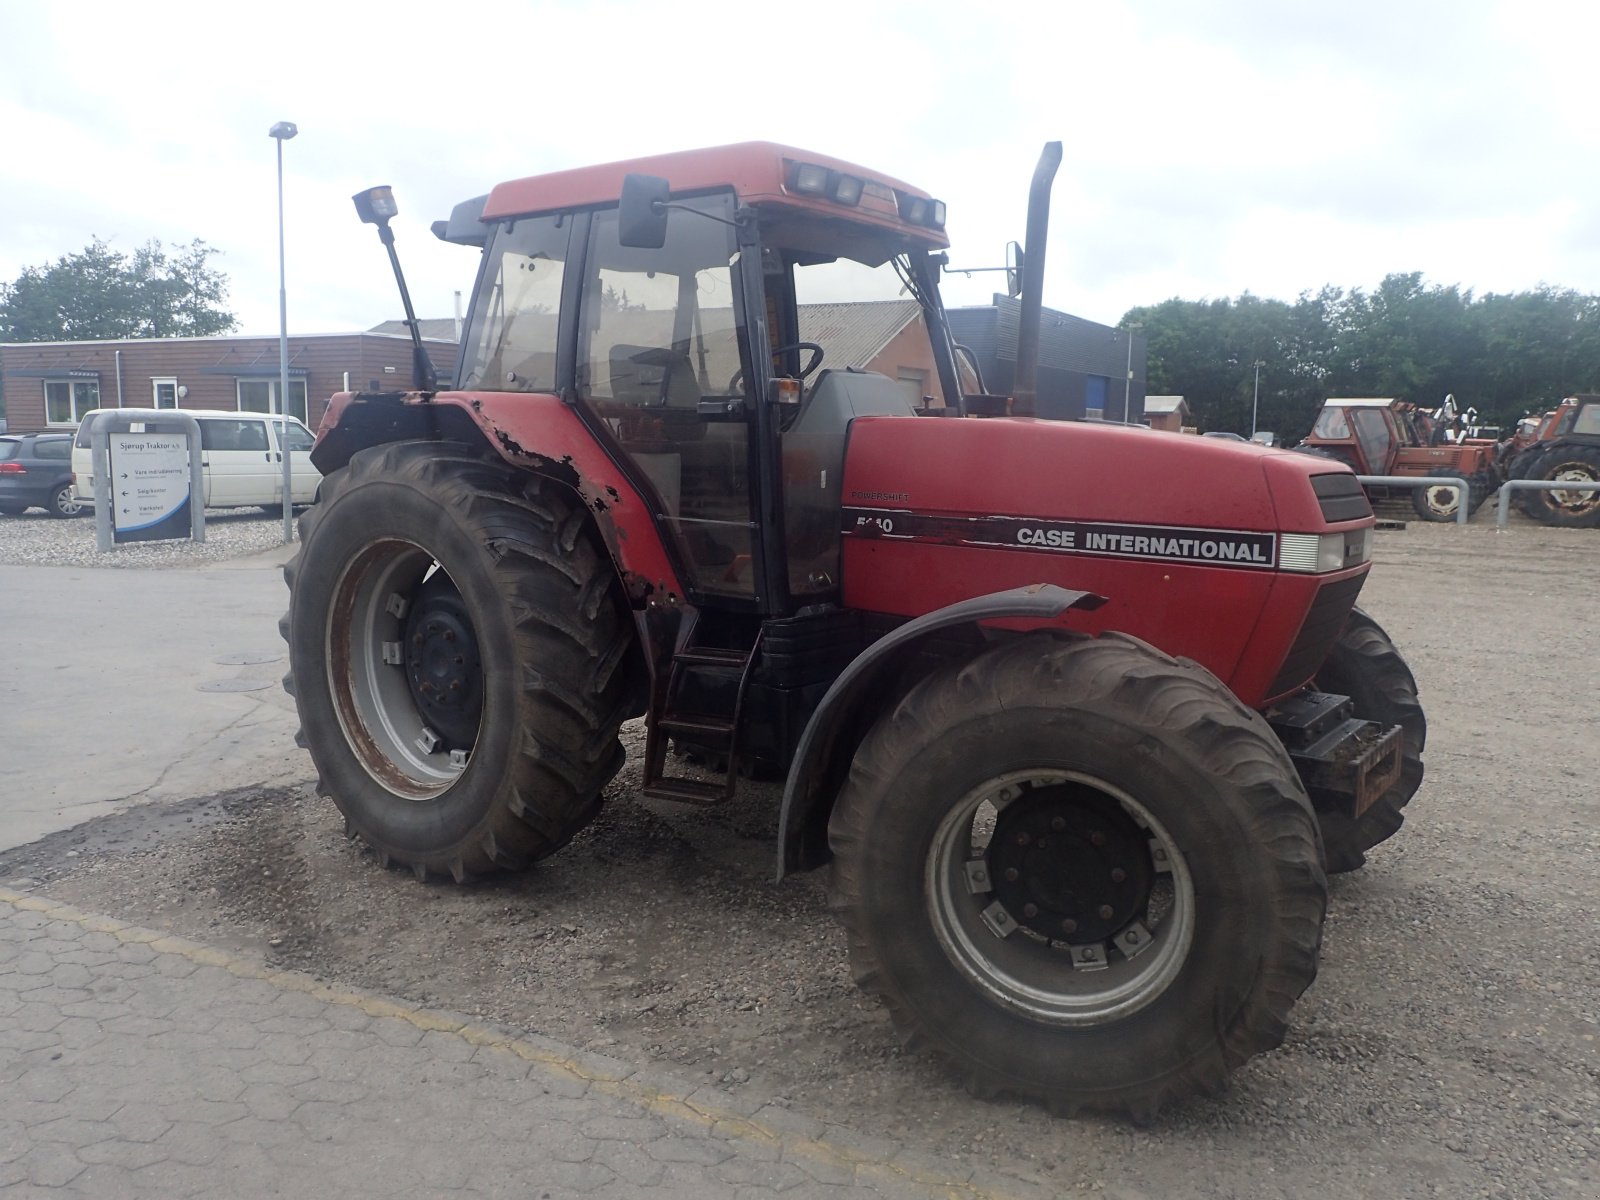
[(102, 293)]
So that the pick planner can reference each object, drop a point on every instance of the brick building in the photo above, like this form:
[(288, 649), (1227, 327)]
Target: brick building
[(50, 385)]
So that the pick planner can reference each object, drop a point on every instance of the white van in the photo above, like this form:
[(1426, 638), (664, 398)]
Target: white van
[(241, 458)]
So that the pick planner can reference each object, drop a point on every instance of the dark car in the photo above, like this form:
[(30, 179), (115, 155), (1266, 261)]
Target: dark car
[(36, 472)]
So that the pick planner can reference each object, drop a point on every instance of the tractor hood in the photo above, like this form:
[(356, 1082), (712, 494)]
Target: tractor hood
[(1244, 558), (1087, 472)]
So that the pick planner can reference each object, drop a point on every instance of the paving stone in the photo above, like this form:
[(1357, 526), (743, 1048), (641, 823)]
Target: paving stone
[(51, 1165), (630, 1162), (158, 1067)]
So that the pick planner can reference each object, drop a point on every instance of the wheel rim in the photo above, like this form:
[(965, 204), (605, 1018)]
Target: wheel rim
[(67, 504), (409, 710), (1441, 500), (1575, 503), (1103, 899)]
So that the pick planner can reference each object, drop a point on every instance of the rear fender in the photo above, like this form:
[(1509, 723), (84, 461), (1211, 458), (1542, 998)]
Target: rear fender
[(534, 432), (862, 692)]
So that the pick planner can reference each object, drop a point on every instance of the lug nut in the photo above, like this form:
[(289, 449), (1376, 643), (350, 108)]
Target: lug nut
[(1069, 926), (1058, 824), (1118, 875), (1030, 910), (1022, 839), (1012, 874), (1106, 912), (449, 636), (1097, 838)]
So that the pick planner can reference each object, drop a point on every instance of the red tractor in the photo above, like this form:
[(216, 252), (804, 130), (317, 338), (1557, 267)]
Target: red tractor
[(1079, 714), (1394, 437), (1564, 447)]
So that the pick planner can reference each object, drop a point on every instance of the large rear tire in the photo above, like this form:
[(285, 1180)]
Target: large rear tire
[(1568, 509), (459, 657), (1365, 666), (1082, 871)]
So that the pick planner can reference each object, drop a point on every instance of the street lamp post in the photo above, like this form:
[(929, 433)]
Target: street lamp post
[(1127, 381), (280, 133), (1255, 401)]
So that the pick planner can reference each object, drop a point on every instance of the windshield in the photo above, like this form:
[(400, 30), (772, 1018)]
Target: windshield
[(865, 318)]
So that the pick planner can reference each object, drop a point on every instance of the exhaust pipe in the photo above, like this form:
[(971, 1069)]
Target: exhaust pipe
[(1025, 387)]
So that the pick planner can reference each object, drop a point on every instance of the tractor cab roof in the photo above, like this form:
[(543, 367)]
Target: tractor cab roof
[(758, 173)]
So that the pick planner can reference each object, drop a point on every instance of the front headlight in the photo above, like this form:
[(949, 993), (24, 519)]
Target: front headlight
[(1321, 553)]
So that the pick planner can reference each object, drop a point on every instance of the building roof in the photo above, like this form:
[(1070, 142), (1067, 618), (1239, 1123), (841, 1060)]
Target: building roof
[(1165, 404), (1361, 402), (442, 329), (855, 332)]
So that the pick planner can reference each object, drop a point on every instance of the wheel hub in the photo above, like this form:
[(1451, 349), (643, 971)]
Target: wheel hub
[(443, 666), (1070, 864)]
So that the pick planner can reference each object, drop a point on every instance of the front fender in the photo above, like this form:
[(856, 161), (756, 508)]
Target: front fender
[(841, 720)]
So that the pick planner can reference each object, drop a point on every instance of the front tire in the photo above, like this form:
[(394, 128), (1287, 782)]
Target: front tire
[(459, 655), (1365, 666), (1082, 871)]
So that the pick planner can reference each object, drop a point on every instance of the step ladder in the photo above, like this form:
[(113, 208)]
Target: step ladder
[(667, 721)]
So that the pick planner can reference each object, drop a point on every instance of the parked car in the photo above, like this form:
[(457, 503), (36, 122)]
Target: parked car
[(36, 472), (241, 458)]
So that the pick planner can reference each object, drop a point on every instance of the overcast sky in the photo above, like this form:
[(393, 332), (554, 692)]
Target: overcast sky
[(1211, 146)]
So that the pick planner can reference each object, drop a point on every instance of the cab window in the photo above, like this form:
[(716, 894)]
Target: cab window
[(511, 345), (1331, 424), (1374, 436)]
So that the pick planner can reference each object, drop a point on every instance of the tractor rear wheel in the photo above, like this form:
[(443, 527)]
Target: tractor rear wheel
[(1365, 666), (459, 657), (1082, 871), (1437, 502), (1574, 509)]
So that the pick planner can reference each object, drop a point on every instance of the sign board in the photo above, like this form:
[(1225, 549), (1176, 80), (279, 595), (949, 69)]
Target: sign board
[(150, 482)]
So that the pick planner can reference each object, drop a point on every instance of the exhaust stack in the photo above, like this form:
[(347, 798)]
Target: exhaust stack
[(1025, 386)]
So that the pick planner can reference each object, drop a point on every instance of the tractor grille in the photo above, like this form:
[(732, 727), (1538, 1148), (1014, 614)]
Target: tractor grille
[(1323, 624), (1340, 497)]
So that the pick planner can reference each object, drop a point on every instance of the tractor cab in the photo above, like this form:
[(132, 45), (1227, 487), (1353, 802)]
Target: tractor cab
[(721, 342)]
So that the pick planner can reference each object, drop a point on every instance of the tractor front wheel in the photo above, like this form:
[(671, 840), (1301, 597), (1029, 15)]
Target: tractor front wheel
[(1365, 666), (1082, 871), (459, 657)]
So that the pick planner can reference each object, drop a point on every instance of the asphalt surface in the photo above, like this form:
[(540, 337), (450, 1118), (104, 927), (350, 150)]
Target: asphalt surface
[(137, 685)]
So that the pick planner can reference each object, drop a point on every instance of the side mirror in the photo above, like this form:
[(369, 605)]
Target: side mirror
[(1015, 261), (642, 215)]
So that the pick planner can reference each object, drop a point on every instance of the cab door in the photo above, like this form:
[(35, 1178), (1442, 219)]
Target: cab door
[(663, 361)]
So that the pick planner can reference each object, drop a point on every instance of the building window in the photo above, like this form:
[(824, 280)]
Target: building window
[(164, 393), (261, 395), (66, 400)]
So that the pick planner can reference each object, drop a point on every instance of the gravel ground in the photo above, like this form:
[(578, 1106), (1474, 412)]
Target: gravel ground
[(36, 538), (1448, 1047)]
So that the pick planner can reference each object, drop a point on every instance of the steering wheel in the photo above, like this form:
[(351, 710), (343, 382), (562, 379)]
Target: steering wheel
[(807, 368)]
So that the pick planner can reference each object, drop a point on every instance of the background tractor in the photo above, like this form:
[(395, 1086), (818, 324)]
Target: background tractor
[(1393, 437), (1078, 750), (1565, 446)]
